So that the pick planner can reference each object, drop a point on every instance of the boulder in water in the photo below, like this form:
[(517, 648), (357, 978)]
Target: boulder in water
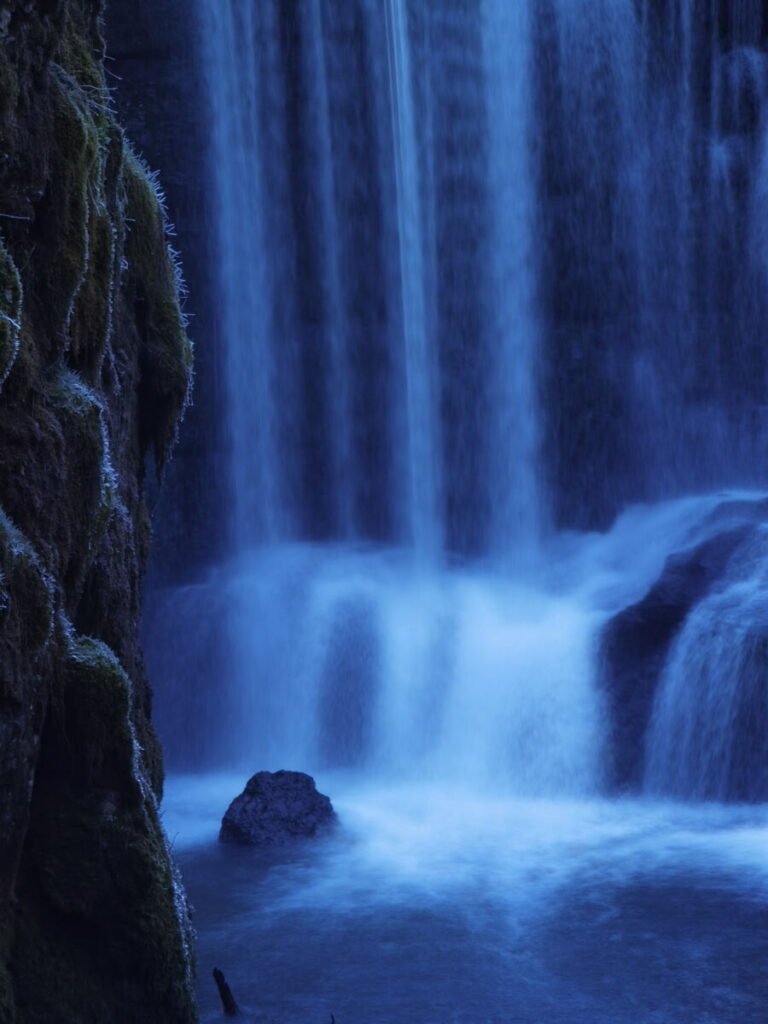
[(276, 809)]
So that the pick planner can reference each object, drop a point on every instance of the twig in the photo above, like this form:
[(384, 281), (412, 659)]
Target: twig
[(225, 994)]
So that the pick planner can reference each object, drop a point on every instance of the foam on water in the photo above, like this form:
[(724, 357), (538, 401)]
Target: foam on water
[(436, 838), (454, 719), (339, 657), (436, 902)]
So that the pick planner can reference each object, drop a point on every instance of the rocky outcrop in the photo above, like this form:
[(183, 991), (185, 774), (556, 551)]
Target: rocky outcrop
[(276, 809), (635, 643), (94, 373)]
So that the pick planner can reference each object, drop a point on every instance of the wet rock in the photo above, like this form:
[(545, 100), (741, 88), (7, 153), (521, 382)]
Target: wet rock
[(635, 643), (276, 809), (95, 370)]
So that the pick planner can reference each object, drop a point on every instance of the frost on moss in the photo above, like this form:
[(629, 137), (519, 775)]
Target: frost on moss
[(84, 205), (26, 608), (156, 288), (82, 416), (80, 60), (74, 188), (82, 404), (10, 312), (91, 323)]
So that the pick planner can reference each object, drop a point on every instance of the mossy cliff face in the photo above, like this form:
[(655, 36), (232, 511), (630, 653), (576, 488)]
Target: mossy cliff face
[(94, 374)]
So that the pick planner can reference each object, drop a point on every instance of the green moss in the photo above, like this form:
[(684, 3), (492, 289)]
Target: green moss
[(10, 312), (99, 935), (81, 415), (26, 610), (9, 95), (75, 186), (102, 943), (97, 707), (81, 61), (26, 366), (91, 321), (155, 281), (90, 316), (117, 955)]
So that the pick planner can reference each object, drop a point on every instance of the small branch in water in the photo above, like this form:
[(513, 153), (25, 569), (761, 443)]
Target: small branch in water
[(14, 216), (225, 994)]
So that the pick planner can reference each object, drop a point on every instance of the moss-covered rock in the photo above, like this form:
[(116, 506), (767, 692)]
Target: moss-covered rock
[(27, 597), (95, 368), (107, 940), (26, 593), (10, 312), (156, 285)]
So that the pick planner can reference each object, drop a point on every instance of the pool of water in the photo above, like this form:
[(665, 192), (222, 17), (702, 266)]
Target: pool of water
[(433, 905)]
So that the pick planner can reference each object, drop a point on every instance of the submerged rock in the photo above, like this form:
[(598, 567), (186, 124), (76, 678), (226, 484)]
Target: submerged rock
[(275, 809)]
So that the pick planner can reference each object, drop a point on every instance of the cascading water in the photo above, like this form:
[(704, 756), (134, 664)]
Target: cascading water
[(489, 273), (373, 360), (711, 712), (518, 515), (438, 295), (422, 490), (236, 96), (397, 408)]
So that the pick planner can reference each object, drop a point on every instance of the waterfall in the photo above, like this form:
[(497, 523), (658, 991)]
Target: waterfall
[(518, 513), (381, 347), (652, 269), (486, 268), (493, 284), (419, 434), (709, 726), (489, 273), (244, 268)]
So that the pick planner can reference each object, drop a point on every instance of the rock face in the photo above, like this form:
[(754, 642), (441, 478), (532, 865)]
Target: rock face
[(635, 643), (94, 373), (275, 809)]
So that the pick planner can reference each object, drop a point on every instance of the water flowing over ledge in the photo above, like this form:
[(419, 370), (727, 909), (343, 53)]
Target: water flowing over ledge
[(489, 273), (343, 658)]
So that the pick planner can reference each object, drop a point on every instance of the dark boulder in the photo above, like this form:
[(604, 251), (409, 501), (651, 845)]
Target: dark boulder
[(275, 809), (634, 646)]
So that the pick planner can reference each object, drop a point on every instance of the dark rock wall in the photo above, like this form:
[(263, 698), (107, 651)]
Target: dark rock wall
[(94, 369)]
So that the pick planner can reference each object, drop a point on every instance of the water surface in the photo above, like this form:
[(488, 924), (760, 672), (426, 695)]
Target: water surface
[(432, 905)]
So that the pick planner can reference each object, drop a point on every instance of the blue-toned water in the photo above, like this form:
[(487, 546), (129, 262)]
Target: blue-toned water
[(439, 904), (456, 719), (492, 290)]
